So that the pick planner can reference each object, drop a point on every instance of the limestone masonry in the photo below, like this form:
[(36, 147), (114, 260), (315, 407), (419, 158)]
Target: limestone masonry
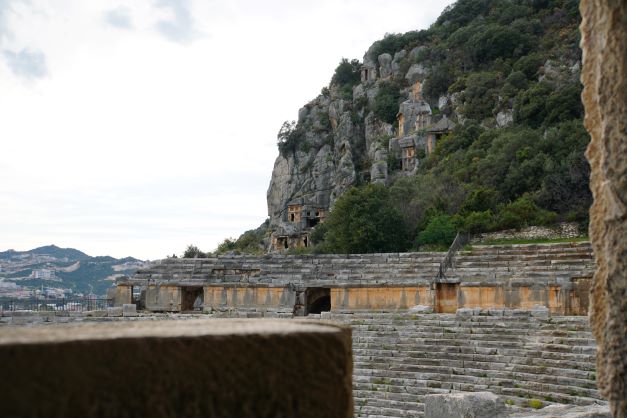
[(552, 276), (604, 75), (508, 319)]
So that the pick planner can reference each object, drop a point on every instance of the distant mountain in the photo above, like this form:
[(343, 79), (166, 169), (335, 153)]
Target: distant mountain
[(69, 253), (63, 270), (50, 250)]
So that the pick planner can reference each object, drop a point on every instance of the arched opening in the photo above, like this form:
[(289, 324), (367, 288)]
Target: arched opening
[(318, 300), (192, 298)]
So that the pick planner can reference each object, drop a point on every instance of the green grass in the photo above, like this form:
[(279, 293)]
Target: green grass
[(533, 241), (535, 403)]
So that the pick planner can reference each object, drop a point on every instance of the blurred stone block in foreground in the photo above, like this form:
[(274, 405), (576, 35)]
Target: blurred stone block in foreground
[(196, 368)]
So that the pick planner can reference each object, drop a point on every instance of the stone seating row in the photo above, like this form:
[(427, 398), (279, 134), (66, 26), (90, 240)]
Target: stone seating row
[(400, 357)]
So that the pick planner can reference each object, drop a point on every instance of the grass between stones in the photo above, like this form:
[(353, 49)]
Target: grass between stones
[(532, 241)]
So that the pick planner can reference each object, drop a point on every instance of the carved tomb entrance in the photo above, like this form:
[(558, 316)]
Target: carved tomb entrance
[(192, 298), (318, 299)]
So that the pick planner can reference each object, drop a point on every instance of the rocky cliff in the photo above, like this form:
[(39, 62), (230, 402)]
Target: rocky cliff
[(489, 65), (341, 142)]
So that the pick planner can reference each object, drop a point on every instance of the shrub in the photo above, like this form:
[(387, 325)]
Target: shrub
[(439, 231), (347, 73), (475, 222), (521, 213), (362, 220), (529, 65), (535, 403), (193, 252), (481, 95), (438, 81), (385, 105), (289, 136)]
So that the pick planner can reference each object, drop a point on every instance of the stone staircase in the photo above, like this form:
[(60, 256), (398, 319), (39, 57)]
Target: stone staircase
[(400, 357), (546, 262)]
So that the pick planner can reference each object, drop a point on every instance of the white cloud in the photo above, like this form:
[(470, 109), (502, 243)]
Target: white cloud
[(120, 17), (179, 26), (26, 63), (137, 145)]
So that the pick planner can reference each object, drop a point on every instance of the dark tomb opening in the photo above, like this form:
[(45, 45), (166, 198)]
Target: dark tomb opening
[(318, 300), (311, 222), (192, 299)]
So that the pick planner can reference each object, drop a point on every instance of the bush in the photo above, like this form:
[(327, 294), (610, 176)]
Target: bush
[(289, 136), (193, 252), (385, 105), (529, 65), (438, 81), (250, 242), (362, 220), (496, 41), (347, 73), (535, 403), (522, 213), (439, 231), (481, 95), (476, 222)]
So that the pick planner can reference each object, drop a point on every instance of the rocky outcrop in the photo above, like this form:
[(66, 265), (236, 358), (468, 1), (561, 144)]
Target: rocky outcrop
[(321, 167), (604, 75)]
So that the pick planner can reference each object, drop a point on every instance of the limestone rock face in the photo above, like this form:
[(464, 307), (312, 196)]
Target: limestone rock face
[(385, 65), (396, 62), (604, 75), (504, 118), (416, 72), (322, 166), (413, 54)]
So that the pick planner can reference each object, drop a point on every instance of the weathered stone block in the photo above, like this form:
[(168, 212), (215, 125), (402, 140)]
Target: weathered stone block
[(464, 405), (115, 311), (189, 368), (129, 309), (604, 76), (421, 309)]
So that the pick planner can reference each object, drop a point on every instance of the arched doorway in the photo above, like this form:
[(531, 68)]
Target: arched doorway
[(318, 299)]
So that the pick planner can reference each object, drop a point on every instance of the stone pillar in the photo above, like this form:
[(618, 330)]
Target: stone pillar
[(604, 75), (123, 295), (195, 368)]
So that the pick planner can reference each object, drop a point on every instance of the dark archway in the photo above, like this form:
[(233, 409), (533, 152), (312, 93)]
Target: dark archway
[(318, 300), (191, 299)]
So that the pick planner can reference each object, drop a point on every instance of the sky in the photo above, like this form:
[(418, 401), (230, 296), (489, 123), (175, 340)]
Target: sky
[(136, 128)]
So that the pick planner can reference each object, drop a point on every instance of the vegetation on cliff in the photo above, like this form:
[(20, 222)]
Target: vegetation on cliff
[(493, 56), (506, 72)]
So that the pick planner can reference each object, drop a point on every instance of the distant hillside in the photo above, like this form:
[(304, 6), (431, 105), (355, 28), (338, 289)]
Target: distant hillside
[(63, 270)]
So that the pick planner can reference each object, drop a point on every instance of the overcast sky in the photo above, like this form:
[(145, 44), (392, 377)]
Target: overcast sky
[(139, 127)]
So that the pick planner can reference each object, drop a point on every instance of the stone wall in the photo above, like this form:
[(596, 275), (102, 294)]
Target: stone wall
[(563, 230), (604, 76), (522, 276)]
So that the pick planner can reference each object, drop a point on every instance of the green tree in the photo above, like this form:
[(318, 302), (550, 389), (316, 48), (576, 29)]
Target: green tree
[(362, 220), (440, 231), (289, 136), (386, 102), (193, 252), (347, 73)]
